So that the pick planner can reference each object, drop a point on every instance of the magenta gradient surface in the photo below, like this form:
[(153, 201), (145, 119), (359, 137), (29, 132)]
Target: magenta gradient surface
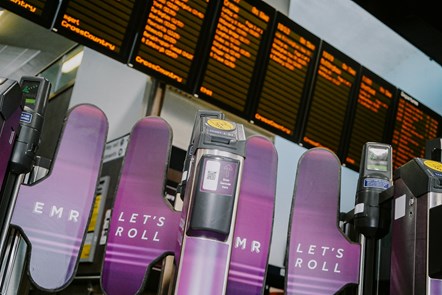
[(254, 219), (321, 260), (204, 261), (203, 267), (53, 214), (143, 226)]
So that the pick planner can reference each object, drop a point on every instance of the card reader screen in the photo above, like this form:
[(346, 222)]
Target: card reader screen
[(377, 159), (30, 90)]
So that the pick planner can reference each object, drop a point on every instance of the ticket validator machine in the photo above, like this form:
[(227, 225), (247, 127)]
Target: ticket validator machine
[(210, 191), (35, 92), (370, 218), (416, 241)]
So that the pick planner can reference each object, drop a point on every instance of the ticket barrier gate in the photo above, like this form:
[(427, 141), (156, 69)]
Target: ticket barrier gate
[(321, 259), (33, 92), (46, 215), (221, 239), (52, 214), (370, 216), (416, 243), (406, 257), (215, 160), (370, 221)]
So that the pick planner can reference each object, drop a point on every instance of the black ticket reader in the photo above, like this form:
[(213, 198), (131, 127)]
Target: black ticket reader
[(370, 218), (416, 240), (35, 92), (375, 176), (213, 200)]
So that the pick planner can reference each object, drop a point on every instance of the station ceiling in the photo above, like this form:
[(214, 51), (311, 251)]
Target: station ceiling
[(26, 48), (417, 21)]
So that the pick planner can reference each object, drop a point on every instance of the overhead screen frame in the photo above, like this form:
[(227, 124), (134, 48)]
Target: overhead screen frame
[(245, 113), (426, 110), (256, 95), (45, 19), (388, 122), (127, 41), (350, 97), (201, 47)]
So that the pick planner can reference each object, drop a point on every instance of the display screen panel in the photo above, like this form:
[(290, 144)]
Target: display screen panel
[(170, 40), (41, 12), (373, 114), (290, 60), (241, 31), (377, 159), (30, 91), (414, 125), (107, 26), (335, 77)]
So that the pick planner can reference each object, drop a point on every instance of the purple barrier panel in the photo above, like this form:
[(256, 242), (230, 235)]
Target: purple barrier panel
[(143, 226), (321, 260), (53, 214), (435, 286), (254, 219)]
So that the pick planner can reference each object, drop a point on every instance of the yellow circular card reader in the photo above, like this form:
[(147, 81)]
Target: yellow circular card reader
[(221, 124), (433, 165)]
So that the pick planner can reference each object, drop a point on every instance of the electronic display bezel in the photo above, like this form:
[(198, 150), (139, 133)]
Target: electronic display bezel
[(425, 109), (45, 19), (307, 114), (245, 114), (389, 120), (127, 42), (255, 95), (201, 47)]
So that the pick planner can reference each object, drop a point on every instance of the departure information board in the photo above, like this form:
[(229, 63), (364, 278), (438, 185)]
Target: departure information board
[(106, 26), (170, 36), (41, 12), (240, 34), (290, 61), (372, 115), (331, 94), (414, 125)]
